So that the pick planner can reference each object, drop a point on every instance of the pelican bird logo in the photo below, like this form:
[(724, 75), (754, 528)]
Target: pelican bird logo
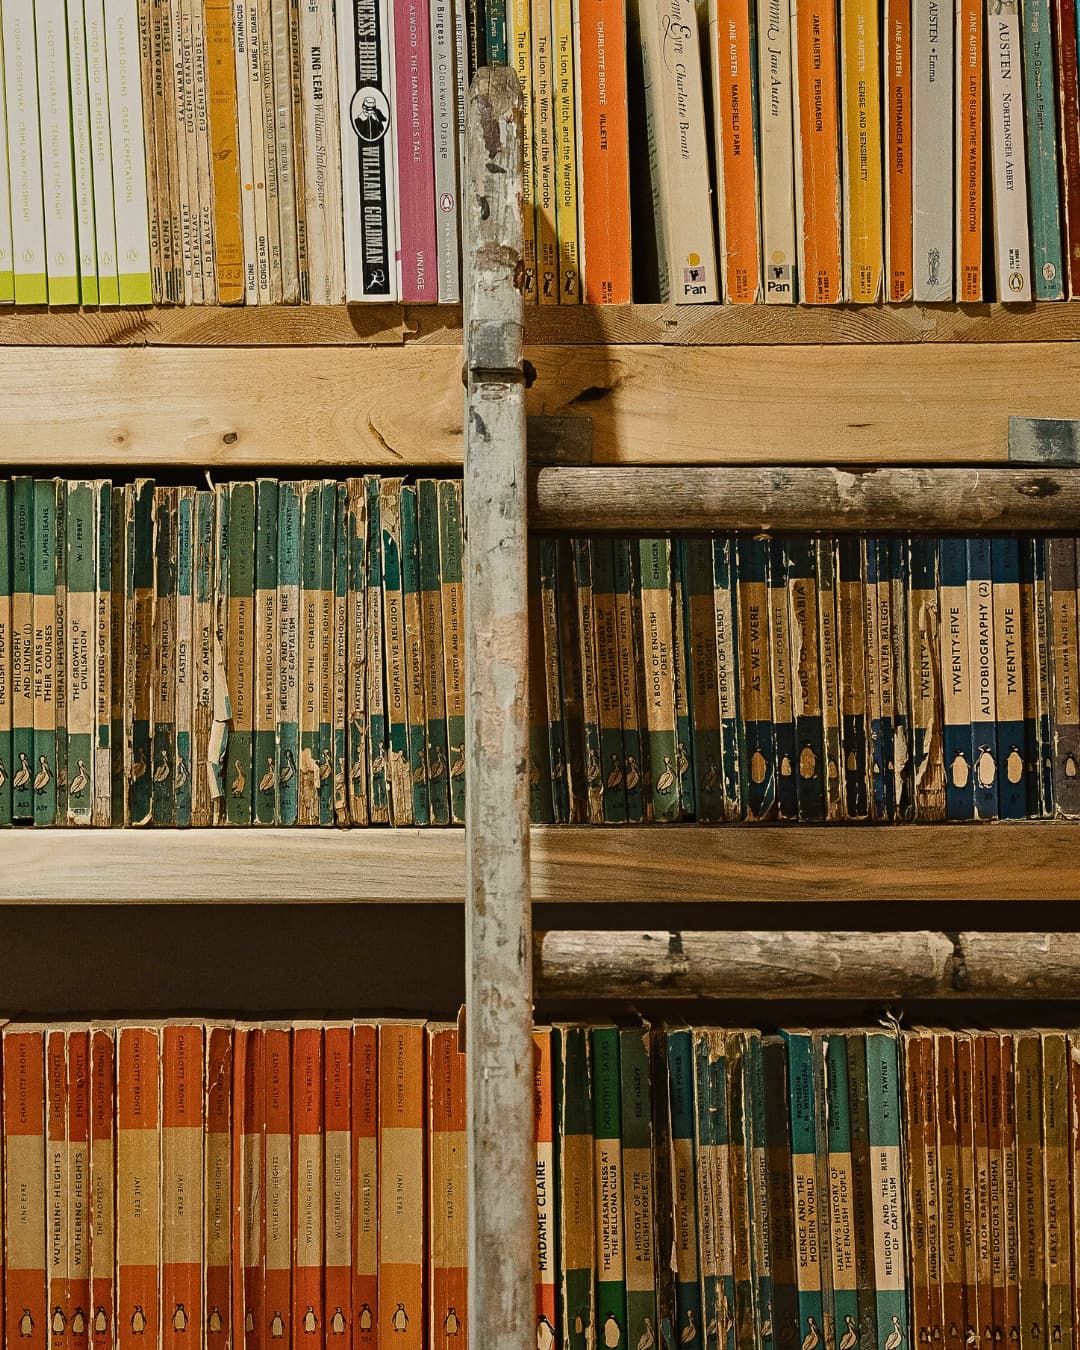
[(851, 1335), (436, 763), (138, 1319), (138, 765), (3, 773), (420, 773), (451, 1322), (689, 1332), (683, 760), (545, 1334), (162, 772), (812, 1339), (277, 1326), (457, 761), (269, 778), (895, 1338), (337, 1323), (181, 772), (239, 781), (615, 773), (288, 769), (326, 766), (213, 1322), (80, 782), (400, 1319), (593, 775), (22, 775), (180, 1318), (666, 781), (711, 776), (633, 773), (647, 1339), (43, 777)]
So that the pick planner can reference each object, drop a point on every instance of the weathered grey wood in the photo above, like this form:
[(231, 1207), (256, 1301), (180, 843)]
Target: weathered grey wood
[(629, 498), (766, 965), (502, 1205)]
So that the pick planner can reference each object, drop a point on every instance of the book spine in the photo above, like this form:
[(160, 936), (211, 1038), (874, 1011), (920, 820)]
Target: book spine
[(285, 151), (628, 644), (804, 606), (956, 680), (163, 698), (841, 1227), (970, 66), (547, 1272), (604, 141), (327, 607), (684, 708), (924, 665), (205, 644), (902, 775), (780, 1196), (279, 1292), (326, 73), (57, 1189), (932, 96), (6, 650), (418, 254), (740, 1311), (264, 754), (139, 676), (914, 1051), (102, 1216), (7, 263), (520, 57), (397, 715), (573, 700), (308, 642), (365, 87), (246, 153), (188, 75), (824, 1210), (101, 750), (544, 156), (949, 1190), (635, 1096), (802, 1113), (413, 636), (308, 1198), (444, 125), (826, 584), (356, 748), (251, 1307), (777, 150), (883, 1091), (138, 1187), (927, 1111), (185, 668), (60, 688), (606, 679), (375, 692), (877, 607), (57, 168), (780, 672), (765, 1320), (494, 21), (447, 1185), (658, 642), (221, 101), (608, 1181), (1065, 23), (731, 52), (860, 98), (81, 648), (453, 639), (899, 192), (551, 656), (183, 1126), (103, 214), (340, 639), (854, 707), (728, 679), (683, 1184), (1009, 676), (566, 138), (295, 93), (475, 36), (219, 1184), (541, 781), (707, 1087), (817, 152), (982, 1212), (118, 655), (703, 666), (1057, 1218), (24, 153), (44, 651), (1040, 97), (401, 1182), (26, 1308), (981, 648), (264, 125), (239, 653), (1030, 1161), (755, 679), (1065, 721), (584, 583), (365, 1186), (1035, 677), (1073, 1048), (577, 1228), (976, 1304), (289, 653), (78, 75), (1012, 240)]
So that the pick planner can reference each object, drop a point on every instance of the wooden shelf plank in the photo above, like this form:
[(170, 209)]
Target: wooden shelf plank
[(304, 407), (573, 865), (736, 498), (223, 866), (674, 325)]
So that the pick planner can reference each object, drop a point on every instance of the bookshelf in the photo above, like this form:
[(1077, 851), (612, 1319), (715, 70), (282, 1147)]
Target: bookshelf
[(718, 388)]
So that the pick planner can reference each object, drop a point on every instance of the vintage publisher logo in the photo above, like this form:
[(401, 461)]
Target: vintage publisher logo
[(369, 114)]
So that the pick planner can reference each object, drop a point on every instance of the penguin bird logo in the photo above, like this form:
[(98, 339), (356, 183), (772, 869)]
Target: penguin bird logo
[(180, 1318), (400, 1319), (138, 1320), (213, 1322), (26, 1322)]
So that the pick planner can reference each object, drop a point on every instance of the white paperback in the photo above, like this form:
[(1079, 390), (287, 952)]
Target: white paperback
[(187, 164), (7, 272), (369, 184), (1012, 241), (678, 154), (82, 153), (101, 153), (204, 226), (128, 152), (270, 155), (444, 119), (244, 143), (24, 151), (778, 248), (322, 149), (932, 75), (283, 137), (253, 76), (57, 169)]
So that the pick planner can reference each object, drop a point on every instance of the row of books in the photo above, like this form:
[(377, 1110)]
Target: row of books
[(268, 151), (275, 652), (218, 1185), (797, 677)]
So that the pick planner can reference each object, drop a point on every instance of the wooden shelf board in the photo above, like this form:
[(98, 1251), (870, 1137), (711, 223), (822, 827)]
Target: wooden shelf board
[(302, 408), (576, 865), (676, 325)]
